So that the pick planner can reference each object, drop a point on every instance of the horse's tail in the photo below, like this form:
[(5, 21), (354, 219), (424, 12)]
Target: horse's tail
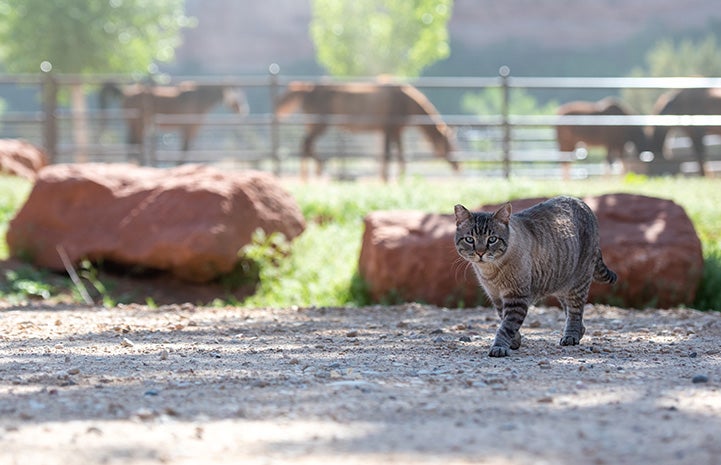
[(292, 98)]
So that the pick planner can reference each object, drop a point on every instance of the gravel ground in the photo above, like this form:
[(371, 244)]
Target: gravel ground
[(407, 384)]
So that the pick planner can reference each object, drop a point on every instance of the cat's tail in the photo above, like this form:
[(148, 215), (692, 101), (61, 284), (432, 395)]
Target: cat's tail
[(603, 273)]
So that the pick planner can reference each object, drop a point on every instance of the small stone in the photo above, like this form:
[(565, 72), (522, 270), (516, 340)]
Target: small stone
[(545, 400), (351, 334), (125, 342), (151, 392), (74, 371), (164, 355), (699, 379), (145, 414), (693, 355), (544, 364), (464, 339)]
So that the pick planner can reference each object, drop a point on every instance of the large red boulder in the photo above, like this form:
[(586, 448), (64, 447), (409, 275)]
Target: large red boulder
[(191, 220), (649, 242), (21, 158)]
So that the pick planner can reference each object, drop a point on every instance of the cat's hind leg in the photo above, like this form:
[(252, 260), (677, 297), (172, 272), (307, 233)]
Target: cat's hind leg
[(574, 329)]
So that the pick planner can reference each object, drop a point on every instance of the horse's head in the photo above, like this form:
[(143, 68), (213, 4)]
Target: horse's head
[(235, 100), (443, 144)]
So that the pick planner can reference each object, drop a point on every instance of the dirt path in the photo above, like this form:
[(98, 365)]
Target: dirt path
[(409, 384)]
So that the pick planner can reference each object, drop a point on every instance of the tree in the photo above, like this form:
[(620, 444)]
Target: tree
[(86, 36), (669, 58), (370, 37)]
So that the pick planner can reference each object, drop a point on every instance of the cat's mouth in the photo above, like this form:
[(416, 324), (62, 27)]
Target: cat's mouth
[(486, 257), (481, 257)]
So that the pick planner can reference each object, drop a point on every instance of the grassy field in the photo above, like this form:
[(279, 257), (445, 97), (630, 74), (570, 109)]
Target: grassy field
[(321, 266)]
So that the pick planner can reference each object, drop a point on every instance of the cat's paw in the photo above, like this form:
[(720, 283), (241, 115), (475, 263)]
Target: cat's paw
[(499, 351), (570, 340)]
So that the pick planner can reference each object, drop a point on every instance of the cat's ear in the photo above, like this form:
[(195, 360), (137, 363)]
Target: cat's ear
[(503, 214), (462, 214)]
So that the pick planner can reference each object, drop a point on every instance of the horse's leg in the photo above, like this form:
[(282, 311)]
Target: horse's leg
[(386, 157), (696, 134), (401, 156), (189, 133), (135, 142), (312, 132)]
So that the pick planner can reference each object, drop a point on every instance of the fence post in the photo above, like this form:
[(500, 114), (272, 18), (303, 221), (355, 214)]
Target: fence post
[(274, 69), (504, 72), (50, 106), (147, 117)]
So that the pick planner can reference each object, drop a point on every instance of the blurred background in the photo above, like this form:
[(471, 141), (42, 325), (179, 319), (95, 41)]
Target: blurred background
[(554, 51)]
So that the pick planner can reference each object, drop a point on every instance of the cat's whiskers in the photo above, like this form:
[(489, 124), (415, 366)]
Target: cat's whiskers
[(461, 262)]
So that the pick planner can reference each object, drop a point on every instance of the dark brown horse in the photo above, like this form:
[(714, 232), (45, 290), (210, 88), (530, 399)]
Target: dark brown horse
[(381, 107), (613, 137), (688, 102), (142, 102)]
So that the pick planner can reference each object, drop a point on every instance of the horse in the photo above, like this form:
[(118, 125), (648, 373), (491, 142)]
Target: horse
[(141, 102), (613, 138), (371, 106), (702, 101)]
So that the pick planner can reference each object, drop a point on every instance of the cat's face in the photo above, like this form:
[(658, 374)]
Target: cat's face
[(482, 237)]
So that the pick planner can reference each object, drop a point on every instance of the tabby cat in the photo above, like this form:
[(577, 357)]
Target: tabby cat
[(550, 249)]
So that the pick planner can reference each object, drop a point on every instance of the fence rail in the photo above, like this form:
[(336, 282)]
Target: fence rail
[(504, 140)]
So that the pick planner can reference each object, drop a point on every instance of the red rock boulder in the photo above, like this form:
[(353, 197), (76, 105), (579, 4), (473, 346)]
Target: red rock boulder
[(649, 242), (653, 247), (191, 220), (21, 158)]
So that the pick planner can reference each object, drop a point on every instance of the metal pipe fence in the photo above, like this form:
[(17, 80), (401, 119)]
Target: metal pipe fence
[(502, 144)]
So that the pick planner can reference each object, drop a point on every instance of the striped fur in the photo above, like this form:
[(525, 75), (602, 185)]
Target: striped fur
[(550, 249)]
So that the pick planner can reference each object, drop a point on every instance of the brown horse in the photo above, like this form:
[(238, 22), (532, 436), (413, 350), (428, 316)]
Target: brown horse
[(703, 101), (381, 107), (187, 98), (613, 138)]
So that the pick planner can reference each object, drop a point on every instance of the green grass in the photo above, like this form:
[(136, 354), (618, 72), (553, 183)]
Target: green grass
[(319, 267), (13, 192)]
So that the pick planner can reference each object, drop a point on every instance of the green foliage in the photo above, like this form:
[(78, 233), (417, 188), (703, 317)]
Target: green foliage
[(28, 283), (685, 58), (89, 273), (707, 296), (82, 36), (363, 38), (13, 191)]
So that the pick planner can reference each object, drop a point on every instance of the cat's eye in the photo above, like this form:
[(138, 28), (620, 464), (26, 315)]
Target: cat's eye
[(469, 240), (492, 240)]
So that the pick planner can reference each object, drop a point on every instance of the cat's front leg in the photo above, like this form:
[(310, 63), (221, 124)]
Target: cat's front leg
[(508, 336)]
